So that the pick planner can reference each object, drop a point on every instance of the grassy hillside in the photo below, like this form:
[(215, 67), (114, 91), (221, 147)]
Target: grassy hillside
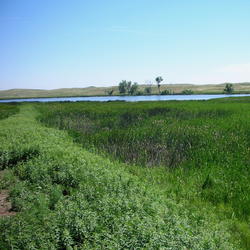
[(29, 93), (68, 198), (95, 91)]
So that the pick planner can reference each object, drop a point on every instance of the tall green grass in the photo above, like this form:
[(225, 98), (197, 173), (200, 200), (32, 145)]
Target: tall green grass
[(8, 109), (202, 145), (69, 198)]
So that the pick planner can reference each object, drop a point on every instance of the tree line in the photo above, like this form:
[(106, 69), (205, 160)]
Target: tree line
[(129, 88), (132, 88)]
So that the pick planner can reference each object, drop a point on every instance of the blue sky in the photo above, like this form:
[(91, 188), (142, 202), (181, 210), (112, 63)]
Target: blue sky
[(62, 44)]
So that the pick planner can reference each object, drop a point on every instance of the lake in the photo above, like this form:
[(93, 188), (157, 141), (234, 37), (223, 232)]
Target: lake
[(124, 98)]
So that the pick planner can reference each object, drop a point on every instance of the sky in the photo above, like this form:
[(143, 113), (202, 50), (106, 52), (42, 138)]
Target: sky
[(49, 44)]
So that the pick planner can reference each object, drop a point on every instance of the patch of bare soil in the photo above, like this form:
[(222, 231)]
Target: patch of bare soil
[(5, 204)]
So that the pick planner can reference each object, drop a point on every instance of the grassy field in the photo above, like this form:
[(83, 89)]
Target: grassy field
[(200, 147), (100, 91), (8, 110), (155, 175)]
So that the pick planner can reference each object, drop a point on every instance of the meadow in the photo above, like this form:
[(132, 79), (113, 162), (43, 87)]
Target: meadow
[(151, 175)]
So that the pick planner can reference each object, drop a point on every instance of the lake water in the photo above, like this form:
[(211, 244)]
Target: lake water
[(125, 98)]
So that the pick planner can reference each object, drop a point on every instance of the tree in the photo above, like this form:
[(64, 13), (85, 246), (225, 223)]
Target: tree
[(229, 88), (129, 85), (133, 88), (158, 80), (123, 87), (109, 92)]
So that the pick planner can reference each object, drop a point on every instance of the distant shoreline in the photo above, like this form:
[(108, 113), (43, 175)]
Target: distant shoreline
[(125, 98), (175, 89), (50, 97)]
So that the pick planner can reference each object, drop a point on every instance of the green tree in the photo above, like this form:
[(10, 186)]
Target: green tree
[(129, 85), (123, 87), (229, 88), (158, 80), (133, 89), (109, 92)]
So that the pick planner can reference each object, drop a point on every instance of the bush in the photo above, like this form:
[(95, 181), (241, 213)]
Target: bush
[(229, 88), (165, 92), (187, 92)]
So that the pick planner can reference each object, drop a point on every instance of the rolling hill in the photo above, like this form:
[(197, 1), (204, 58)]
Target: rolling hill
[(101, 91)]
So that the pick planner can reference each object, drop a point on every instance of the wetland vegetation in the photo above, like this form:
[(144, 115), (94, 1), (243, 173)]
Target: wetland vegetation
[(117, 175)]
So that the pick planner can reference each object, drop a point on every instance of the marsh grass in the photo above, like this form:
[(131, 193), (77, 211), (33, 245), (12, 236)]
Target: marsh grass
[(69, 198), (142, 134), (9, 109), (202, 145)]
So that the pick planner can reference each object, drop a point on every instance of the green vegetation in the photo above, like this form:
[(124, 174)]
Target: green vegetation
[(229, 88), (101, 91), (204, 144), (187, 92), (165, 92), (127, 175), (9, 109), (68, 198), (109, 92), (127, 87), (158, 80)]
